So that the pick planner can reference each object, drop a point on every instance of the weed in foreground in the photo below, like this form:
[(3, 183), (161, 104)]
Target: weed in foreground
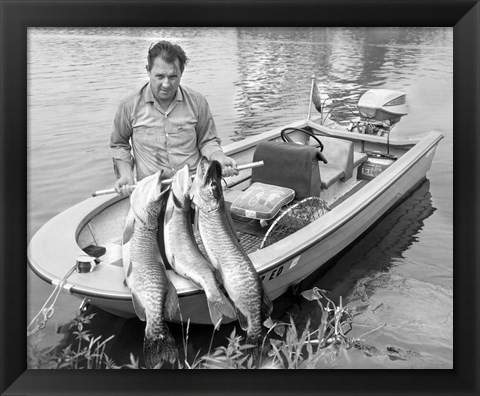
[(88, 354), (285, 346)]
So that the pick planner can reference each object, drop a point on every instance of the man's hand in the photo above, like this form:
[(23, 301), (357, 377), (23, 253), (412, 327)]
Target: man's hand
[(124, 186), (229, 165)]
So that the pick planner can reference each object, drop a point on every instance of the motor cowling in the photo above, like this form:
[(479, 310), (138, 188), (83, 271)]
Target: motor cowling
[(380, 110), (382, 105)]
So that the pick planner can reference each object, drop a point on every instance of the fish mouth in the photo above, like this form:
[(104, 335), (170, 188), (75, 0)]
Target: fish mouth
[(198, 180), (208, 177), (214, 173), (213, 178), (202, 169), (148, 190), (181, 185), (148, 200)]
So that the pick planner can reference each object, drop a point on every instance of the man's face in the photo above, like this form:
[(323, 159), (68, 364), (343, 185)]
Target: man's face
[(164, 79)]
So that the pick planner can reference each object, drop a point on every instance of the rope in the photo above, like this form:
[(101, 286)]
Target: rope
[(47, 313)]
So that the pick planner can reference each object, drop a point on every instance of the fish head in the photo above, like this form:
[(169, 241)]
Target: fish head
[(145, 200), (181, 185), (206, 191)]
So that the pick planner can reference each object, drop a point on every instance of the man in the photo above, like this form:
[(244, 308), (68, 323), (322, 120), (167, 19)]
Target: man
[(164, 124)]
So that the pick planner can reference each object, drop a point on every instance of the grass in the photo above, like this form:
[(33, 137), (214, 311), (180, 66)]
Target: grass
[(89, 353), (285, 346)]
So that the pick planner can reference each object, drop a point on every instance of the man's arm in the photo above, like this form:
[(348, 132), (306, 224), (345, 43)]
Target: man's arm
[(120, 149), (125, 180), (209, 143)]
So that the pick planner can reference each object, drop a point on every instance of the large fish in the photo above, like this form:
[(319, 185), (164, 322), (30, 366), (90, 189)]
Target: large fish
[(182, 251), (154, 297), (240, 278)]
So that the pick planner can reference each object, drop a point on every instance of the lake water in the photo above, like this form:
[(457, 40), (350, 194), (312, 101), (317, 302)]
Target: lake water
[(399, 274)]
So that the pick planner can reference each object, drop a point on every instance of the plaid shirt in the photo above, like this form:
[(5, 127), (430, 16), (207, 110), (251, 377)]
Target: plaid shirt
[(160, 139)]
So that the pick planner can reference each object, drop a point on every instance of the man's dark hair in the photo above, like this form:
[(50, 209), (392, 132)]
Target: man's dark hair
[(168, 52)]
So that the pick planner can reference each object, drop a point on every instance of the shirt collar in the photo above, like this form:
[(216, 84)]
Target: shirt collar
[(149, 98)]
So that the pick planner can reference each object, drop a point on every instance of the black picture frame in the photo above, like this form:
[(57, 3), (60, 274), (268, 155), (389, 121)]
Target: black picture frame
[(17, 16)]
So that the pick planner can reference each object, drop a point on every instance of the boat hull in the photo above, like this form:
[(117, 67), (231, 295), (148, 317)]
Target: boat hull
[(280, 265)]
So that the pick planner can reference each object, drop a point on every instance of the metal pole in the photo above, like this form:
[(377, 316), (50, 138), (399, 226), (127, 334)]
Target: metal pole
[(311, 98)]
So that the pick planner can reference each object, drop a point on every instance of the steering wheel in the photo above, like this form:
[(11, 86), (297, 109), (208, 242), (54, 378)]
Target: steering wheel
[(287, 138)]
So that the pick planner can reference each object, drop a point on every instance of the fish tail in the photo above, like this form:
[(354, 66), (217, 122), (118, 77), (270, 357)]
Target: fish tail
[(219, 308), (159, 349), (258, 339), (257, 346)]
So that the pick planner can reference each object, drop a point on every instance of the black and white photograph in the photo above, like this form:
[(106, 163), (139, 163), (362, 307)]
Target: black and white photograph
[(240, 197), (239, 186)]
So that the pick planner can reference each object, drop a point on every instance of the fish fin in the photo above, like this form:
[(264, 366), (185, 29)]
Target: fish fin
[(158, 349), (137, 305), (129, 227), (220, 308), (215, 314), (172, 305), (267, 306), (242, 320)]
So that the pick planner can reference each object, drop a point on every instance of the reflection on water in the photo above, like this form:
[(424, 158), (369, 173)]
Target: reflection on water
[(255, 79), (384, 246), (369, 277)]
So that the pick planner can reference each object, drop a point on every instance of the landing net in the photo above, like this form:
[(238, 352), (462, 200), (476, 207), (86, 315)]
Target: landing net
[(294, 218)]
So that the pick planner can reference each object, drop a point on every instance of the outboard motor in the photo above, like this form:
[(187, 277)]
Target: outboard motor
[(380, 110)]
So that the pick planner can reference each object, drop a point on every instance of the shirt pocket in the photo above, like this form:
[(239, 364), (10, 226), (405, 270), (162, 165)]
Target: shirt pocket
[(186, 138), (148, 137)]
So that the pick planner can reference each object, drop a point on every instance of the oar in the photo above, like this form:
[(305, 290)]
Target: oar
[(168, 181)]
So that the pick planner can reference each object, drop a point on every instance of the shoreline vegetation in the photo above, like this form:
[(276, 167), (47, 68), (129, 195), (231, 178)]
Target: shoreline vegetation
[(286, 346)]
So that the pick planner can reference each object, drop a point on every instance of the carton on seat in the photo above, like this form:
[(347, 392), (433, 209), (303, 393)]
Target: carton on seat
[(261, 201)]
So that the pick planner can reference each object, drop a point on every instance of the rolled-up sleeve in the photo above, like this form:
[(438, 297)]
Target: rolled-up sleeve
[(207, 139), (120, 147)]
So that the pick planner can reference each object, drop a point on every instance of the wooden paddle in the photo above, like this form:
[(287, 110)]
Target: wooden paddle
[(168, 181)]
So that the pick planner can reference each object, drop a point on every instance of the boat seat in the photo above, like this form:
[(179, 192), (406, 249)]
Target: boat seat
[(358, 159), (290, 171), (288, 165), (340, 156), (330, 176)]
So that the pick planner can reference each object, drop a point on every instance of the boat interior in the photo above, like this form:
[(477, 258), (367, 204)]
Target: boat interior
[(318, 187), (295, 186)]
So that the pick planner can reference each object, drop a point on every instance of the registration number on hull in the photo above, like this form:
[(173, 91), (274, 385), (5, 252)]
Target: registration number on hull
[(272, 275)]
